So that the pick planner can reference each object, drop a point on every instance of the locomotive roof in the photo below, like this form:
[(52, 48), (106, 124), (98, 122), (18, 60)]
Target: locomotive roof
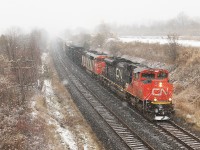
[(95, 54), (119, 60), (122, 62), (139, 69), (75, 47)]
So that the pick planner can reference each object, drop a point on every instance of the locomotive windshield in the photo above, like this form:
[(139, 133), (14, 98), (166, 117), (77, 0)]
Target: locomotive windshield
[(148, 75), (162, 75), (159, 75)]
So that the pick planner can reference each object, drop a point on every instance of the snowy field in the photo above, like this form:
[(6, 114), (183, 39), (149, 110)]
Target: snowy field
[(158, 39)]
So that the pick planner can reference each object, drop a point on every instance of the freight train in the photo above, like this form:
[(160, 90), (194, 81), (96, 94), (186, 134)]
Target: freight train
[(147, 89)]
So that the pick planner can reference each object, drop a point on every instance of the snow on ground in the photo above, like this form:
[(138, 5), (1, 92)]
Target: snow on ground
[(50, 98), (54, 117), (34, 112), (54, 109), (67, 138), (54, 114), (44, 57), (158, 39)]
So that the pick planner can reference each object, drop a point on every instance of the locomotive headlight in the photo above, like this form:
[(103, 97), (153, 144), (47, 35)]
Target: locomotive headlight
[(160, 84), (155, 99), (170, 99)]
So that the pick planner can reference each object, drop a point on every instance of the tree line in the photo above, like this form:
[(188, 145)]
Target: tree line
[(19, 64)]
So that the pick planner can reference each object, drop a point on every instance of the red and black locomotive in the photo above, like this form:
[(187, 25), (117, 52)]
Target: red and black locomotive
[(146, 88)]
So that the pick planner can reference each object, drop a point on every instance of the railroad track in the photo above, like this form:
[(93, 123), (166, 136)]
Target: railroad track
[(184, 137), (128, 136)]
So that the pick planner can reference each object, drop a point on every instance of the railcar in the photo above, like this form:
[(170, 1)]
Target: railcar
[(93, 61), (118, 70), (75, 53)]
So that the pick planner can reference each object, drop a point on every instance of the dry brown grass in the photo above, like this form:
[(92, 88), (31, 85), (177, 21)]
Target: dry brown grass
[(190, 112), (52, 138), (187, 104), (189, 56), (185, 107), (40, 103), (14, 142), (154, 52)]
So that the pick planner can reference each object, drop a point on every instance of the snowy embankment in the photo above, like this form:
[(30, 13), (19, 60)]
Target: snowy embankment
[(55, 111), (65, 127), (158, 39)]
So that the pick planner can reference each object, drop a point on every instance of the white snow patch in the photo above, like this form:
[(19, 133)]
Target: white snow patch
[(58, 115), (47, 88), (65, 82), (33, 104), (52, 104), (67, 137), (158, 39), (54, 109), (188, 116), (85, 147), (44, 56), (34, 113)]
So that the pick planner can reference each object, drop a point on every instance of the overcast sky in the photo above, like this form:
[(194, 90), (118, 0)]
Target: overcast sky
[(56, 15)]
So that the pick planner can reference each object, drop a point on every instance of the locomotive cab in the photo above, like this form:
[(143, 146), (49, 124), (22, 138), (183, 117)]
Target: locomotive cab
[(151, 89)]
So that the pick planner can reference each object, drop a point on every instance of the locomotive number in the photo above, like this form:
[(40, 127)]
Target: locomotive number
[(159, 92)]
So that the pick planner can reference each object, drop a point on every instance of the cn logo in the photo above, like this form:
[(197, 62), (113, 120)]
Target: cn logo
[(159, 92)]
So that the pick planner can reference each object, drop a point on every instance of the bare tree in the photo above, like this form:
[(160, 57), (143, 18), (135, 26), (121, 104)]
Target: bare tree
[(23, 52), (12, 42), (98, 41), (105, 30), (173, 46)]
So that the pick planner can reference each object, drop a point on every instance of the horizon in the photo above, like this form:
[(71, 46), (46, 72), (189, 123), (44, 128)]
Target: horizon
[(58, 15)]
